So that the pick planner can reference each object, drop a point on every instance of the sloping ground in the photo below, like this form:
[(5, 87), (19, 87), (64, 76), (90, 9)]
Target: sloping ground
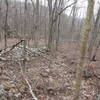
[(52, 77), (10, 42)]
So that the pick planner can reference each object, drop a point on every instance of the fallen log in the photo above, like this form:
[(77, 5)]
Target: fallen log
[(10, 49)]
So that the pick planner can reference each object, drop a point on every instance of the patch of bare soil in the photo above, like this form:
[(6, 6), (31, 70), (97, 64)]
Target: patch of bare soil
[(51, 76)]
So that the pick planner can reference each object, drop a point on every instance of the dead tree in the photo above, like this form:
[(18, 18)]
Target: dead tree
[(83, 48)]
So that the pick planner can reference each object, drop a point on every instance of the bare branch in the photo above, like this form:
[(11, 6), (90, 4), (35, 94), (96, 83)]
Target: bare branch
[(33, 4), (64, 10), (30, 88)]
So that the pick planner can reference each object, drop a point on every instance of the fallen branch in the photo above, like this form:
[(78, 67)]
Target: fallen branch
[(30, 88), (14, 46), (5, 51)]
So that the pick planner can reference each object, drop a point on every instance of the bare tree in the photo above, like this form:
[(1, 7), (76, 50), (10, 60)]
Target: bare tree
[(53, 19)]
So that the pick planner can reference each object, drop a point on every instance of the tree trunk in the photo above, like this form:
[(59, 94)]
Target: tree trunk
[(50, 24), (36, 24), (94, 35), (6, 24), (72, 28), (83, 47)]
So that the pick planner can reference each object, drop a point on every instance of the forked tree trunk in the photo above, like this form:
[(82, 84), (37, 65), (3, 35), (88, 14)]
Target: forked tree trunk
[(83, 47)]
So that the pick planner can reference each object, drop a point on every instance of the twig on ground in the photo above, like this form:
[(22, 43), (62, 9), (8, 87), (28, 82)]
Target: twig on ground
[(30, 88)]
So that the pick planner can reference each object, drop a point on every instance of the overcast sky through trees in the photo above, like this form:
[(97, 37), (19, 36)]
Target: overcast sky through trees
[(81, 4)]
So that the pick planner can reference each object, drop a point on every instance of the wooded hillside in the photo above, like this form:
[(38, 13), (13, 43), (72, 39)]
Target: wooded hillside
[(49, 50)]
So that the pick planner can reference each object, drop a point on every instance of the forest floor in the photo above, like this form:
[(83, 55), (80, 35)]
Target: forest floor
[(51, 76)]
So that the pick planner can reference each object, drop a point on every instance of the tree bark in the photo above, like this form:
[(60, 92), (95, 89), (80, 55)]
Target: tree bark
[(50, 24), (83, 47), (94, 35), (6, 23)]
